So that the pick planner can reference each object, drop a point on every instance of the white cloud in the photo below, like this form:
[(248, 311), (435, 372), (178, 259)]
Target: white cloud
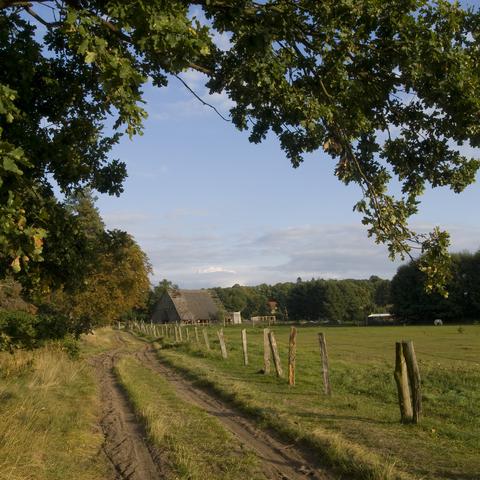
[(195, 79), (190, 106), (123, 219), (215, 270), (277, 255)]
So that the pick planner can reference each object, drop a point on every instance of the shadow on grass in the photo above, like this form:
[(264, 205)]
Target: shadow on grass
[(332, 417)]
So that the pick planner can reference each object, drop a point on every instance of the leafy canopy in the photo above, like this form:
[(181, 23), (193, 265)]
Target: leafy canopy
[(116, 271), (389, 89)]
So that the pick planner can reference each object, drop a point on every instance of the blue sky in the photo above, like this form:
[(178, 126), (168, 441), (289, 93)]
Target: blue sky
[(210, 209)]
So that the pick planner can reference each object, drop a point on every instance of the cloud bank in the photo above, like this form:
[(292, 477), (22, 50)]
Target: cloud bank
[(276, 255)]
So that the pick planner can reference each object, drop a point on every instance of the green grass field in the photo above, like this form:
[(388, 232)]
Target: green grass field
[(357, 428)]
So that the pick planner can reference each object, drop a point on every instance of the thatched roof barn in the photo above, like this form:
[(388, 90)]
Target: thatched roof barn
[(188, 306)]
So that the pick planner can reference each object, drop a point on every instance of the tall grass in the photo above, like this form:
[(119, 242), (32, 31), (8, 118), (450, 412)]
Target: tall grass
[(48, 414)]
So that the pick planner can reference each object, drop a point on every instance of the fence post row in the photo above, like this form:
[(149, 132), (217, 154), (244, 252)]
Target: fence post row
[(266, 352), (414, 378), (276, 356), (223, 347), (244, 347), (324, 355), (177, 334), (401, 379), (205, 336), (292, 353)]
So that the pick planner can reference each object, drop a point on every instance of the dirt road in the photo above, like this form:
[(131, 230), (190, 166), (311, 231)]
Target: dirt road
[(133, 459), (124, 437), (281, 461)]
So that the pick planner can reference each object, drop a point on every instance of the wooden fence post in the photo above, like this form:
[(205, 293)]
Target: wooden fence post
[(266, 352), (244, 346), (223, 347), (205, 336), (177, 335), (187, 333), (401, 378), (180, 334), (324, 354), (292, 353), (196, 335), (414, 377), (275, 355)]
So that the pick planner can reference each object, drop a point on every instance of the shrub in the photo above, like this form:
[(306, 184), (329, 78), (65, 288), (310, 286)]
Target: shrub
[(20, 329)]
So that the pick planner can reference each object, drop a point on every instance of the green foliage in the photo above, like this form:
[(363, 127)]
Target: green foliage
[(24, 330), (411, 302), (115, 278), (11, 297), (336, 301), (155, 294), (388, 89)]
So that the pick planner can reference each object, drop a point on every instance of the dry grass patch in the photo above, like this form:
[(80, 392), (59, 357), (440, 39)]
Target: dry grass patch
[(48, 408)]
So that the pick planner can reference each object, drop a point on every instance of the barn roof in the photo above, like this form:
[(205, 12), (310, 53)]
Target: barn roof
[(193, 305)]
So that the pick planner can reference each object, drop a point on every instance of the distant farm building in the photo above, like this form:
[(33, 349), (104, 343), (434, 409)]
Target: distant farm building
[(188, 306), (270, 319), (235, 318), (380, 319)]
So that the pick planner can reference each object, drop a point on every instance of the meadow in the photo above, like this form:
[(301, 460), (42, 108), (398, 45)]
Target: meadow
[(357, 428)]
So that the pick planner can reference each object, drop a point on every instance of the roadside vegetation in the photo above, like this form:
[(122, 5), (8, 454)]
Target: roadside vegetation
[(192, 444), (48, 421), (357, 429)]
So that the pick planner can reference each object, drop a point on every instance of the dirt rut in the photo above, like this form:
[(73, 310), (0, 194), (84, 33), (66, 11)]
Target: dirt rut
[(124, 437), (281, 461)]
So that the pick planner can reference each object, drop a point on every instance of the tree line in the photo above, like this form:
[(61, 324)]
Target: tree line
[(410, 302), (336, 301), (111, 281), (351, 301), (115, 286)]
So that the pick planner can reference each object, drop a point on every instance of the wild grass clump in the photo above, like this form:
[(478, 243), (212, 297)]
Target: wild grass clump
[(48, 413)]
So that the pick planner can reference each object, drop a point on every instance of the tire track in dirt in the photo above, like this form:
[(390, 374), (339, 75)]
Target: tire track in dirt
[(124, 436), (281, 461)]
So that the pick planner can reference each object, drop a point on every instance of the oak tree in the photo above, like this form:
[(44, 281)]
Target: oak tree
[(389, 89)]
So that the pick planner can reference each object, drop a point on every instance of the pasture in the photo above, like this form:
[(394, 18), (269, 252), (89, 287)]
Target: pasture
[(356, 429)]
